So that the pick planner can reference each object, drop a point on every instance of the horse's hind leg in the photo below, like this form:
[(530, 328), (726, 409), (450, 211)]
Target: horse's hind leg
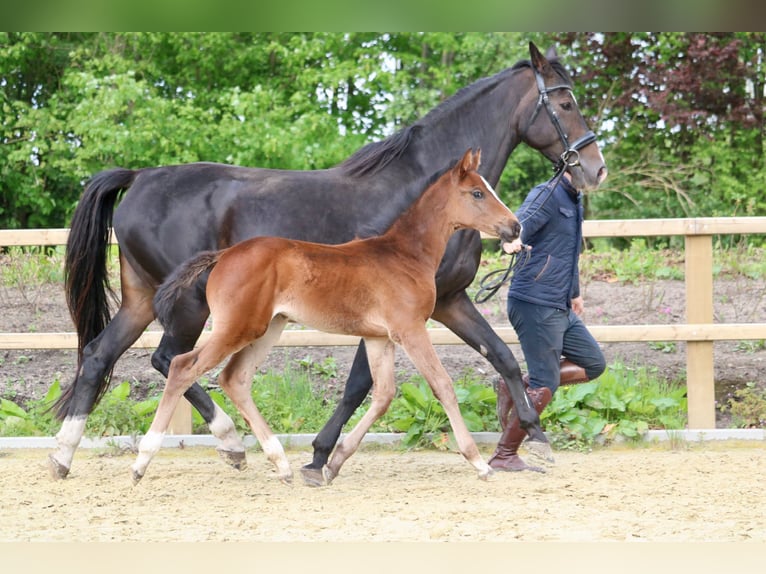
[(357, 387), (423, 355), (99, 357), (236, 380), (380, 353), (188, 324)]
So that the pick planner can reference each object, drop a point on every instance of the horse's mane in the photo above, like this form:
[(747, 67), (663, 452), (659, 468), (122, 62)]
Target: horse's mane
[(374, 156)]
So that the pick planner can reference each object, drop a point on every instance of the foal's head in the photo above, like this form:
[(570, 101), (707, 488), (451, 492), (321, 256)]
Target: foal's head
[(476, 204)]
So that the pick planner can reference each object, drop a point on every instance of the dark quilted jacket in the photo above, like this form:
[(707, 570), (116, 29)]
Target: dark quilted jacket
[(552, 225)]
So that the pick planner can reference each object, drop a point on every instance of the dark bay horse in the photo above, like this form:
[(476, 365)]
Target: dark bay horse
[(380, 288), (170, 213)]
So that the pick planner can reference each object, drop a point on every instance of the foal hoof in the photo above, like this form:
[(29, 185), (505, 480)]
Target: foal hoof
[(235, 459), (56, 469), (486, 473), (541, 450), (135, 476), (312, 476), (329, 474)]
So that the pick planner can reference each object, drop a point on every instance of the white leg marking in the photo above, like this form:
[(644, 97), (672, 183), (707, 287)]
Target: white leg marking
[(147, 448), (222, 427), (68, 438)]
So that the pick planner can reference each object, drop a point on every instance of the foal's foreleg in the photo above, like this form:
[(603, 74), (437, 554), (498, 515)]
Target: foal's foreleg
[(236, 381), (423, 355), (380, 353)]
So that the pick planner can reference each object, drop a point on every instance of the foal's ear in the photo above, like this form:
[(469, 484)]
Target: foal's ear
[(469, 162), (538, 60)]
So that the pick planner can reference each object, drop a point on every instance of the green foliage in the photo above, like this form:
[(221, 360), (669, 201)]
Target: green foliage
[(416, 412), (286, 399), (747, 406), (29, 269), (679, 135), (35, 420), (624, 402), (634, 264)]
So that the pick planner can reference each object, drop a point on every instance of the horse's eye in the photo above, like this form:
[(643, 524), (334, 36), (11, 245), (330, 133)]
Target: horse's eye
[(567, 106), (478, 194)]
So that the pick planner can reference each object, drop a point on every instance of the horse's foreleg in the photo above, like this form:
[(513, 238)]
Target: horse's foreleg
[(99, 357), (236, 381), (187, 327), (423, 355), (459, 314), (357, 387), (381, 360)]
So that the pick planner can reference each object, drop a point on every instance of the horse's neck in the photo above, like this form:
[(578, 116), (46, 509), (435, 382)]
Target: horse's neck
[(449, 132)]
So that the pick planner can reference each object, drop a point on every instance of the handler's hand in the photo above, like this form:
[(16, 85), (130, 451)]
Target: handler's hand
[(515, 246), (578, 305)]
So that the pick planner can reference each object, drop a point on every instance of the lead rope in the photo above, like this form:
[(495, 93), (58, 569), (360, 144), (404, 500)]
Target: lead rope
[(488, 285)]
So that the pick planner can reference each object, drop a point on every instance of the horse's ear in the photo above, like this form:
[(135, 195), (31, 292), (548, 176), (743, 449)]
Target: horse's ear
[(551, 54), (538, 60)]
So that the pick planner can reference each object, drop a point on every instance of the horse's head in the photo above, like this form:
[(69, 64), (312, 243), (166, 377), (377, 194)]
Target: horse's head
[(552, 123), (477, 204)]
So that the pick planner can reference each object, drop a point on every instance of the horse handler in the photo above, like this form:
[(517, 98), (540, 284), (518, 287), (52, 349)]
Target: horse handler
[(544, 307)]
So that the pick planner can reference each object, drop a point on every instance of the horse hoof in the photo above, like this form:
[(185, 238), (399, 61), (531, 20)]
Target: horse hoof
[(235, 459), (135, 476), (56, 469), (541, 450), (313, 476)]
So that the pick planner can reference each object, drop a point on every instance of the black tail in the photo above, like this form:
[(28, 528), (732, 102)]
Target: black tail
[(178, 283), (87, 287)]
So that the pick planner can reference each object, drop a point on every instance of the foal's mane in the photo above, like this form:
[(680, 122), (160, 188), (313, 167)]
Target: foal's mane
[(376, 155)]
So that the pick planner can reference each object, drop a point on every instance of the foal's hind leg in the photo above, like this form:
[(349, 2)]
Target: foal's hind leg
[(188, 322), (236, 381), (184, 370), (423, 355), (380, 353)]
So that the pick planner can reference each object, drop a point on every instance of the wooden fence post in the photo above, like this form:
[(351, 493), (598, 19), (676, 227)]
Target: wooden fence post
[(700, 379), (181, 422)]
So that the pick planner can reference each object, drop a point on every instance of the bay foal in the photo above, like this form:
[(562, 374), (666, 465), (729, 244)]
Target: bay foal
[(381, 289)]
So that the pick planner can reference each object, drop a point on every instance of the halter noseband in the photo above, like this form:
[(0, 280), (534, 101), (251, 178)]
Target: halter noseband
[(571, 155)]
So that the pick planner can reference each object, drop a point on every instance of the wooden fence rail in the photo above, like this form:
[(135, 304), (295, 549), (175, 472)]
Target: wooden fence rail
[(699, 331)]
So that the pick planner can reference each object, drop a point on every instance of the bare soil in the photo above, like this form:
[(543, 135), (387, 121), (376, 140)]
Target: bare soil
[(687, 493), (656, 493), (27, 374)]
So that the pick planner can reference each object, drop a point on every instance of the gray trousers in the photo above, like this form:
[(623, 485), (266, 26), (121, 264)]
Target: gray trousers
[(546, 334)]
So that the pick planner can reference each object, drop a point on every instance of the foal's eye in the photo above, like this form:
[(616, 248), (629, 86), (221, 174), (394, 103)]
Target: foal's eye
[(478, 194)]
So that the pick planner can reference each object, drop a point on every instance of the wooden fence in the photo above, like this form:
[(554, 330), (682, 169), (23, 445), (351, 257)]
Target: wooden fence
[(699, 331)]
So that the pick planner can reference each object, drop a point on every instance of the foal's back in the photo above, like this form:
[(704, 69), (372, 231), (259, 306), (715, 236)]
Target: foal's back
[(352, 288)]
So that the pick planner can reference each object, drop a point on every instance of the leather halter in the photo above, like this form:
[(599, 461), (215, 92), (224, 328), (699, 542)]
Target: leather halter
[(571, 154)]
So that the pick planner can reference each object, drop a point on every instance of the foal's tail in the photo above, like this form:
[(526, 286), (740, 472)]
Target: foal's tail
[(180, 282), (87, 288)]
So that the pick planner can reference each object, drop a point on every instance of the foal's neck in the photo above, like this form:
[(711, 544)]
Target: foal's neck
[(422, 232)]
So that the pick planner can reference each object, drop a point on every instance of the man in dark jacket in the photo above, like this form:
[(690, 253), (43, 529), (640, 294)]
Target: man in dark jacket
[(544, 307)]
